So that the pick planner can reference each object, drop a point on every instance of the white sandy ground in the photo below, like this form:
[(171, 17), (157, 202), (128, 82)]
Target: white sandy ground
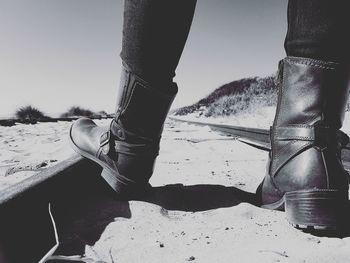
[(26, 149), (190, 155), (238, 233)]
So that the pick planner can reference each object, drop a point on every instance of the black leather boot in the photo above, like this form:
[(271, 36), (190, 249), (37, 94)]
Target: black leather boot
[(128, 147), (305, 175)]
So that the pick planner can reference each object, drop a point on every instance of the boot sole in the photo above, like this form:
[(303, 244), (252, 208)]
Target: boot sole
[(316, 209), (120, 184)]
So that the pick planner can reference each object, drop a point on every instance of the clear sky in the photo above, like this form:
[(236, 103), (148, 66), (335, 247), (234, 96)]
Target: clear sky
[(59, 53)]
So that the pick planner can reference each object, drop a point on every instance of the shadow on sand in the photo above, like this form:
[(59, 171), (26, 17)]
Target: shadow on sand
[(82, 215), (194, 198)]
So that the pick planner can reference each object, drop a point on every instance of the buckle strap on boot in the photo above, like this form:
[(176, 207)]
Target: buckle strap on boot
[(121, 134), (136, 149), (117, 133), (295, 132), (104, 142), (321, 135), (127, 148), (299, 138)]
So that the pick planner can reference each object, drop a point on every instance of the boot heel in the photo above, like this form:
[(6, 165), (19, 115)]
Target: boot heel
[(125, 190), (119, 187), (316, 209)]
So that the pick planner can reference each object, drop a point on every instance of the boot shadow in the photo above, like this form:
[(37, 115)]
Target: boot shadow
[(83, 213), (82, 216), (194, 198), (201, 197)]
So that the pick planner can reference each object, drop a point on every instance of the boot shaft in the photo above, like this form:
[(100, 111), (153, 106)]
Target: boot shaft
[(311, 91), (310, 111), (142, 107)]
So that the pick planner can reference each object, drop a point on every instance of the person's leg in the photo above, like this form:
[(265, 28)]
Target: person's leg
[(318, 29), (305, 175), (154, 35)]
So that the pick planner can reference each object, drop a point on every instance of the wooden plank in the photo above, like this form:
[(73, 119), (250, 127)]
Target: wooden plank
[(34, 181), (26, 224)]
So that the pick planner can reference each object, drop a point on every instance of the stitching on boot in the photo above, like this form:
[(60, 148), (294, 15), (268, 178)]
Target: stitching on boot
[(313, 63), (281, 88), (299, 125), (318, 61), (325, 168), (297, 151), (282, 150)]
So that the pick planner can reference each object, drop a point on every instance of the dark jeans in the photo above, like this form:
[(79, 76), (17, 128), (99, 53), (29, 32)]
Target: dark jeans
[(154, 35), (318, 29), (155, 32)]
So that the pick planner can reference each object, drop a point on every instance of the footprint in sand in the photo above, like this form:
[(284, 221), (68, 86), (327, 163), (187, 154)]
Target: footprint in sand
[(172, 215)]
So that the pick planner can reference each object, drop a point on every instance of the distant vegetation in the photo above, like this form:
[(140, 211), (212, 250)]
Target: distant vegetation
[(30, 114), (234, 97), (77, 111)]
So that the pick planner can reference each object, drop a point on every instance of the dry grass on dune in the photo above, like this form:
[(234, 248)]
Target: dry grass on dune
[(240, 96), (235, 97), (261, 93)]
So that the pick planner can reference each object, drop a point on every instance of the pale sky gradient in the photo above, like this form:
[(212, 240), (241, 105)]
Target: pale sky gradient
[(59, 53)]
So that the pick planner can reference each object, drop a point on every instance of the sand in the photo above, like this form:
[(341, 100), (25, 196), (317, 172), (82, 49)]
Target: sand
[(26, 149), (214, 223)]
